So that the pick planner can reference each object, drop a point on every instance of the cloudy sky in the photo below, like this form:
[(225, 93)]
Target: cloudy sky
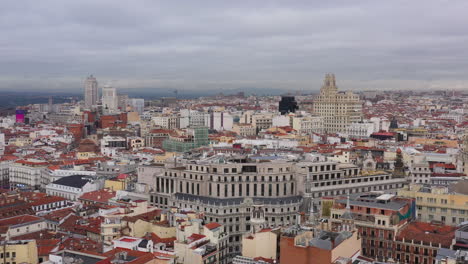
[(54, 45)]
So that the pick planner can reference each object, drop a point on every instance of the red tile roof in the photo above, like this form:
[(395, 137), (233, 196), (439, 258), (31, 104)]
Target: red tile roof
[(212, 226), (428, 233), (168, 241), (17, 220), (99, 196)]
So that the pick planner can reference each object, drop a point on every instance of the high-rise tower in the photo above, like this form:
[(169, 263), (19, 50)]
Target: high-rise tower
[(91, 91), (338, 109), (109, 99)]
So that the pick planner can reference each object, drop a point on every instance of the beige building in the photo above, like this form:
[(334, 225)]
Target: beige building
[(258, 120), (262, 121), (463, 157), (198, 245), (436, 203), (338, 109), (21, 225), (308, 124), (19, 251), (261, 244), (244, 130)]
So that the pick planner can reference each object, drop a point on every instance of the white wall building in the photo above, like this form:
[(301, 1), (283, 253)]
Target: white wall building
[(109, 99), (72, 187), (360, 130)]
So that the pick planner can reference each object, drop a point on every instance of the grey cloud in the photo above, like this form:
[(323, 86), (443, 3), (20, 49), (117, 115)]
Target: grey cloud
[(229, 44)]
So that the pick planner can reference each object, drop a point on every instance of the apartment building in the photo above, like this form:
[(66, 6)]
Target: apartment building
[(378, 219), (437, 203)]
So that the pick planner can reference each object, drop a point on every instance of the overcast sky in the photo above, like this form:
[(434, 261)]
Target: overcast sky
[(234, 44)]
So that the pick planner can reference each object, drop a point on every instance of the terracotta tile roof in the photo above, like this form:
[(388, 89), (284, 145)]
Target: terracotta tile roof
[(148, 217), (156, 239), (46, 246), (195, 237), (79, 225), (138, 256), (99, 196), (212, 226), (428, 233), (44, 234), (57, 215), (22, 219), (81, 244), (47, 200)]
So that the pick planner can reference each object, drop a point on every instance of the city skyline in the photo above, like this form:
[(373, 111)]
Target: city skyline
[(221, 46)]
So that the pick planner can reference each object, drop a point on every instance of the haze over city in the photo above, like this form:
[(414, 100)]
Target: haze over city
[(216, 45)]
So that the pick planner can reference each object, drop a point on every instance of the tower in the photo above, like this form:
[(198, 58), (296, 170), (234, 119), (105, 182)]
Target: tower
[(338, 109), (91, 91), (329, 87), (109, 99), (347, 219), (50, 105), (399, 169)]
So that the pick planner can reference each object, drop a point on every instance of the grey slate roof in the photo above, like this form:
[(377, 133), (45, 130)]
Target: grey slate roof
[(75, 181)]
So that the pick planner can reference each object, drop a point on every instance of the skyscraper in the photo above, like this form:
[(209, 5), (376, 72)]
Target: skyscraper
[(91, 91), (338, 109), (109, 100)]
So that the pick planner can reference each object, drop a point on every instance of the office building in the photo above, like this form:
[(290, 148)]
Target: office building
[(339, 109), (91, 92)]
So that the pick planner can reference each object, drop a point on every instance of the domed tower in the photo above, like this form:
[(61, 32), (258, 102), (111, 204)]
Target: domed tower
[(257, 216)]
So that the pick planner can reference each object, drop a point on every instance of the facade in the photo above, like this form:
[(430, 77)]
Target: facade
[(227, 191), (420, 172), (166, 121), (244, 130), (215, 120), (72, 187), (318, 246), (26, 173), (262, 121), (360, 130), (262, 244), (338, 109), (109, 100), (437, 203), (91, 92), (329, 178), (155, 137), (419, 243), (23, 224), (378, 219), (19, 251), (192, 138), (308, 124), (200, 245)]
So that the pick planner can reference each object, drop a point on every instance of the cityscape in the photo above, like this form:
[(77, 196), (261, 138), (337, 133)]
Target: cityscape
[(213, 133)]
